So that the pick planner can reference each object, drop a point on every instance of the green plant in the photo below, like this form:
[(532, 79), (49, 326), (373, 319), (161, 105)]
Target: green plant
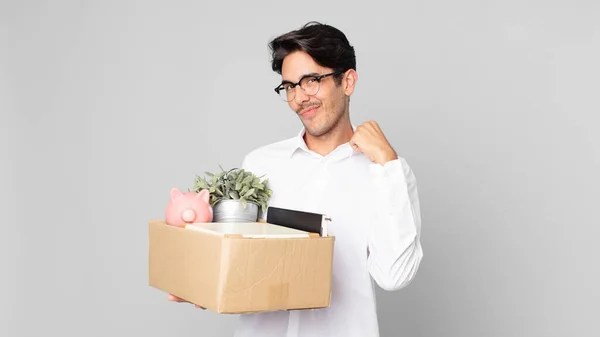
[(235, 184)]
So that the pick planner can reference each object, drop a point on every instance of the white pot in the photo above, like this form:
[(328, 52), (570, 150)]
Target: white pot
[(233, 211)]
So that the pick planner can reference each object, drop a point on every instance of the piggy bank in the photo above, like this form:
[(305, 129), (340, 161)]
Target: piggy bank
[(188, 207)]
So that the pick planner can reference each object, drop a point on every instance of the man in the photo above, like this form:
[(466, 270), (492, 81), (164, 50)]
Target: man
[(352, 174)]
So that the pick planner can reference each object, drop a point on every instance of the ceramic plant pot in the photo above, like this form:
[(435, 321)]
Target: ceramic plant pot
[(234, 211)]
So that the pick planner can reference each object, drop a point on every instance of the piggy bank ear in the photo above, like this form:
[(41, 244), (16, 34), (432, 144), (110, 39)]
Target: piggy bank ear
[(175, 193), (203, 195)]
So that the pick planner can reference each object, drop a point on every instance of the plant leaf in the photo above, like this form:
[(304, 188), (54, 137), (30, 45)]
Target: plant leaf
[(237, 184), (248, 179), (248, 193)]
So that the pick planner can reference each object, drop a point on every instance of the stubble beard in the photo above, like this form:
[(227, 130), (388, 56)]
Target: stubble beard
[(330, 122)]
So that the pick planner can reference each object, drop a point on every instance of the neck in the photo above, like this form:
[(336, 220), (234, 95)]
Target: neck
[(325, 144)]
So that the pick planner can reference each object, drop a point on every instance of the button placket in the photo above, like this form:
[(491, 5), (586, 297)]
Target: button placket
[(318, 186)]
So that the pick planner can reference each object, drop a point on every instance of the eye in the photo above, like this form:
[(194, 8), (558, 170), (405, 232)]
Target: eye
[(308, 81)]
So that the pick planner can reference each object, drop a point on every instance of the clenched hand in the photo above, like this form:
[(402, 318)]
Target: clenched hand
[(370, 140)]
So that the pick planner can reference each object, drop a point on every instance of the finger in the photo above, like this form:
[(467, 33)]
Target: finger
[(373, 126), (377, 127), (373, 131), (365, 129), (175, 298), (354, 145)]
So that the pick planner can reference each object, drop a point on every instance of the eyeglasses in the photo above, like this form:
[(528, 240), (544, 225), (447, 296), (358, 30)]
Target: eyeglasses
[(309, 83)]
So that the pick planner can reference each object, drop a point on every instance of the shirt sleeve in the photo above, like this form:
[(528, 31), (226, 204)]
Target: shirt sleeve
[(394, 247)]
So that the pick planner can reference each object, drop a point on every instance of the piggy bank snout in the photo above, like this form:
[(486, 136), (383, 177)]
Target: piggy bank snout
[(188, 215)]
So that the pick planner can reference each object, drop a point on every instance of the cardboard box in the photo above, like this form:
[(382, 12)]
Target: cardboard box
[(235, 268)]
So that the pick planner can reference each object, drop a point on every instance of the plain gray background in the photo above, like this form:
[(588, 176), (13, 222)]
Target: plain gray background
[(106, 105)]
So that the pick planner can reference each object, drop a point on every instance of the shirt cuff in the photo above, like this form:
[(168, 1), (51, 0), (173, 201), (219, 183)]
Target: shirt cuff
[(392, 172)]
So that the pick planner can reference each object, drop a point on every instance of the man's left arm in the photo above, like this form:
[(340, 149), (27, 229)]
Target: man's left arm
[(394, 247)]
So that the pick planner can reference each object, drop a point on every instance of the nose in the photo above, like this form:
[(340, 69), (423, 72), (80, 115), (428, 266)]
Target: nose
[(188, 216), (299, 95)]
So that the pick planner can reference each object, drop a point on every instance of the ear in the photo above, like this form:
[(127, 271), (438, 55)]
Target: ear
[(175, 193), (203, 195), (350, 79)]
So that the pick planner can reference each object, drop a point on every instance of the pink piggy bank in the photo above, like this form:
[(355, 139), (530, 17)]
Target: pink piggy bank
[(188, 207)]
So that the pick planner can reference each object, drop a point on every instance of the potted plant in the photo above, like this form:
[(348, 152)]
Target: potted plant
[(236, 195)]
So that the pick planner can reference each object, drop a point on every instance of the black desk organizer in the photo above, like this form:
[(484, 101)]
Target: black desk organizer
[(300, 220)]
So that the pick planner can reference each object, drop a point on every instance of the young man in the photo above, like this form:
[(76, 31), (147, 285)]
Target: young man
[(352, 174)]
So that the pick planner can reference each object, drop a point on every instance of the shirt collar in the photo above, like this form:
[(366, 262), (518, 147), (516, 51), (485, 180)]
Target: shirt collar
[(342, 151)]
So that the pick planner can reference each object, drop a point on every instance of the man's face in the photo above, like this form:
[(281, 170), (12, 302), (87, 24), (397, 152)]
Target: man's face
[(320, 112)]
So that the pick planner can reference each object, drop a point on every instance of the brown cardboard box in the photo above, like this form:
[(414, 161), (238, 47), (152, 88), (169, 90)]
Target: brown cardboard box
[(241, 268)]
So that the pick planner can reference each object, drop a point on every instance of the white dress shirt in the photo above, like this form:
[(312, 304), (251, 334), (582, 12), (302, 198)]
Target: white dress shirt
[(375, 218)]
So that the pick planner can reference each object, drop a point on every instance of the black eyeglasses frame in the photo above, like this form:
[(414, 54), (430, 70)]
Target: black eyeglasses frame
[(318, 78)]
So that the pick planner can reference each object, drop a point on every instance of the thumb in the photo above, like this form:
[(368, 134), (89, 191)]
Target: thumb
[(355, 146)]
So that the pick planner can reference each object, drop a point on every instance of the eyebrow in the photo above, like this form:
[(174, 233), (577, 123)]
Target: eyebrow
[(301, 77)]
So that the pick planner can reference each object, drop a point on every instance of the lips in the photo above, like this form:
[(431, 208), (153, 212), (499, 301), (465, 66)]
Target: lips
[(309, 112)]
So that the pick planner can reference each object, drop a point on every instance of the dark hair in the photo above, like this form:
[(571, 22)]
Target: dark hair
[(327, 45)]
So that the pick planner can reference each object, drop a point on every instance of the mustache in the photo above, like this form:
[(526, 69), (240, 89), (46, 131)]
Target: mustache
[(306, 106)]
